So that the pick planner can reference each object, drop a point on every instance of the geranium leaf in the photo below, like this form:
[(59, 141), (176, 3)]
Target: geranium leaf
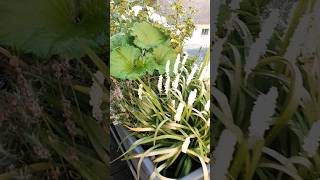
[(124, 63), (47, 27), (161, 55), (118, 40), (147, 36)]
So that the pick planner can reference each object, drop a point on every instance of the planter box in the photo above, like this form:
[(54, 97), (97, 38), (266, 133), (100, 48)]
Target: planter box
[(147, 166)]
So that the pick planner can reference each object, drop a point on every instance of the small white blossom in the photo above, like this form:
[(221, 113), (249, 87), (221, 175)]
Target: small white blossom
[(192, 97), (175, 83), (136, 9), (160, 83), (178, 32), (140, 91), (123, 17), (157, 18), (178, 114), (191, 75), (207, 106), (185, 145), (176, 65)]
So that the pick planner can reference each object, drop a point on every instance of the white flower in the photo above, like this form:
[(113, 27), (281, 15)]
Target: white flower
[(259, 47), (223, 154), (175, 83), (168, 67), (167, 85), (160, 84), (185, 145), (150, 10), (178, 32), (193, 71), (123, 17), (136, 9), (157, 18), (184, 59), (311, 141), (192, 97), (140, 91), (207, 106), (96, 94), (205, 74), (176, 64), (178, 114), (262, 113)]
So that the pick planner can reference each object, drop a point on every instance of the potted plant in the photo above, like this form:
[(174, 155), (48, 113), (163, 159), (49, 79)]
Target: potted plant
[(169, 117)]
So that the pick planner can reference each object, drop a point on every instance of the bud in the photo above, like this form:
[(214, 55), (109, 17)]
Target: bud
[(185, 145), (177, 117), (160, 84), (192, 97), (140, 91)]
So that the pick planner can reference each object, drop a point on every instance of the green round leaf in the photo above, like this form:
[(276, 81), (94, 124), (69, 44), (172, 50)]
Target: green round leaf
[(123, 63), (147, 36), (47, 27), (161, 55)]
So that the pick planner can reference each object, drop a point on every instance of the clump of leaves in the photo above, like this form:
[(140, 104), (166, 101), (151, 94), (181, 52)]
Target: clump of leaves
[(141, 51), (266, 93), (47, 27), (171, 119)]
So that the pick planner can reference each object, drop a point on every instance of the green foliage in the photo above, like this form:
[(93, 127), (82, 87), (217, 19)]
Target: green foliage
[(47, 27), (163, 128), (149, 50), (147, 36), (277, 150)]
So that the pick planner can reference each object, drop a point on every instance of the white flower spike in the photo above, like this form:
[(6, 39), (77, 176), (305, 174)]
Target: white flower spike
[(185, 145), (167, 85), (176, 65), (168, 67), (184, 60), (207, 106), (177, 117), (192, 97), (191, 75), (175, 83), (140, 91), (160, 83)]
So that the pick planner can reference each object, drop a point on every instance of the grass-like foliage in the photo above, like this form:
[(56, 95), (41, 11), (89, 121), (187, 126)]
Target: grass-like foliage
[(171, 119), (266, 92)]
